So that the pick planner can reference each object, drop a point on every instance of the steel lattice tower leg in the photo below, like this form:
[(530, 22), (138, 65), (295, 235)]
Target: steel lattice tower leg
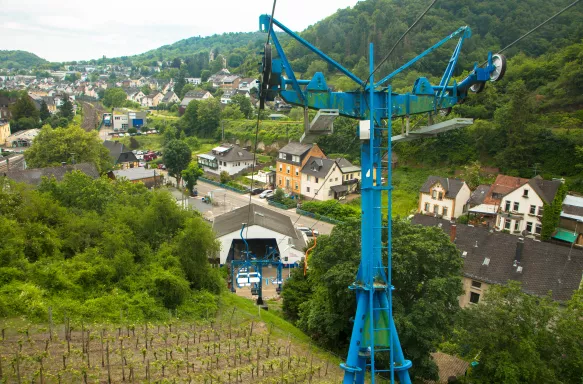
[(374, 330)]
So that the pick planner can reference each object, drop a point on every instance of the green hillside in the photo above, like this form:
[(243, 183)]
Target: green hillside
[(19, 59)]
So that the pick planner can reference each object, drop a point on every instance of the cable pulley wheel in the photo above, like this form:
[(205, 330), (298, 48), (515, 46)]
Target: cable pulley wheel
[(265, 74), (499, 63), (478, 87)]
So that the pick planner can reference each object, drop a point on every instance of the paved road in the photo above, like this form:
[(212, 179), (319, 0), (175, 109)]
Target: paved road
[(104, 133), (232, 200)]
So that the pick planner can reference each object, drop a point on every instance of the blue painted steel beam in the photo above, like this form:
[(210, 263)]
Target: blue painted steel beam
[(264, 26)]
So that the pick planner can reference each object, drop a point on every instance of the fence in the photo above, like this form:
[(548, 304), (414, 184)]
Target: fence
[(318, 217), (278, 205), (205, 180)]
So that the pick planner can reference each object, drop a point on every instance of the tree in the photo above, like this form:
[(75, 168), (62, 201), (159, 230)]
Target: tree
[(205, 74), (66, 109), (244, 105), (296, 114), (53, 146), (146, 89), (511, 333), (189, 122), (427, 278), (114, 97), (190, 176), (44, 111), (232, 112), (187, 88), (471, 174), (72, 77), (209, 117), (224, 177), (180, 83), (176, 63), (24, 107), (552, 213), (177, 156)]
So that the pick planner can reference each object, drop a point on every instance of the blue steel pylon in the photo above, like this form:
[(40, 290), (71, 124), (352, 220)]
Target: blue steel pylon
[(374, 330)]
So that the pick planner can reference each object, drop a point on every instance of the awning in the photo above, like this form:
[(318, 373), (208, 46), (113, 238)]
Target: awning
[(339, 188), (565, 235), (486, 209)]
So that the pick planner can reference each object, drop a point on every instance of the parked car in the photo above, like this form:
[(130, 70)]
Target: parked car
[(265, 194), (256, 191), (141, 164), (161, 166), (309, 232)]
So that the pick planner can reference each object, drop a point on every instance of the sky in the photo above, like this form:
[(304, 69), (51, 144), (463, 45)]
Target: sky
[(66, 30)]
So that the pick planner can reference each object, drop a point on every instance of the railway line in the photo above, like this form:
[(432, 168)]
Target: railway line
[(92, 112)]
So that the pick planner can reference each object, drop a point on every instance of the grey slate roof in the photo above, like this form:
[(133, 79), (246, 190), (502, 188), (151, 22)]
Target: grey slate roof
[(118, 153), (34, 176), (477, 197), (546, 189), (318, 167), (546, 266), (296, 148), (236, 153), (167, 97), (451, 186), (346, 166), (261, 216)]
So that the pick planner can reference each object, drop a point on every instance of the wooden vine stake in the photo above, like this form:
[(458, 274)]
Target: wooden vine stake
[(108, 368)]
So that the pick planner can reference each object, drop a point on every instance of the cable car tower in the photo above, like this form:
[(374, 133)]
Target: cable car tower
[(375, 105)]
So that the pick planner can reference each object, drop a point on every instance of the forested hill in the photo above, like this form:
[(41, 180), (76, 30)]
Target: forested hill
[(19, 59)]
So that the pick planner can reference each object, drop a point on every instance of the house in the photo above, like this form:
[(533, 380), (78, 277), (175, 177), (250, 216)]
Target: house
[(492, 257), (444, 197), (226, 96), (290, 161), (149, 177), (193, 95), (521, 209), (230, 82), (152, 100), (570, 228), (5, 103), (4, 131), (228, 158), (193, 80), (248, 83), (265, 227), (325, 179), (22, 138), (120, 155), (34, 176), (170, 98)]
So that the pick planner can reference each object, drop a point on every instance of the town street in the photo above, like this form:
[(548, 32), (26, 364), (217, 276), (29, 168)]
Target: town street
[(231, 200)]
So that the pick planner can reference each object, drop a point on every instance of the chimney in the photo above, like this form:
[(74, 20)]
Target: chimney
[(452, 233), (519, 248)]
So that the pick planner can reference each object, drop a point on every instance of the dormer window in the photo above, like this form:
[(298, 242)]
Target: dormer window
[(282, 155), (295, 158), (525, 193)]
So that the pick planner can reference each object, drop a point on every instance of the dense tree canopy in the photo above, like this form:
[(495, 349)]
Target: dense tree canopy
[(114, 97), (177, 156), (427, 278), (94, 248), (53, 146)]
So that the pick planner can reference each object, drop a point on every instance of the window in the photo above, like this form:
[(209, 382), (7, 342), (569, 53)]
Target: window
[(308, 177), (351, 176), (476, 284), (282, 156), (529, 226), (316, 180), (280, 168), (287, 183), (538, 228), (436, 209), (474, 297), (297, 171), (507, 224), (124, 126), (288, 169), (540, 211), (336, 179), (516, 205), (280, 181), (426, 207), (296, 158), (297, 187), (533, 209), (516, 225), (434, 194), (444, 211), (307, 189), (440, 196), (525, 193), (507, 205)]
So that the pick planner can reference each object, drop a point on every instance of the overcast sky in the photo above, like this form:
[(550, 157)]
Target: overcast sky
[(80, 30)]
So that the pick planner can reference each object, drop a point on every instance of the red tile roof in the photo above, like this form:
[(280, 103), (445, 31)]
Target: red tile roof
[(503, 185)]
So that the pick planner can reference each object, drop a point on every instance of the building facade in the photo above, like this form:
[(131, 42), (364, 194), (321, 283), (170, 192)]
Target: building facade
[(4, 131), (228, 158), (443, 197), (290, 161)]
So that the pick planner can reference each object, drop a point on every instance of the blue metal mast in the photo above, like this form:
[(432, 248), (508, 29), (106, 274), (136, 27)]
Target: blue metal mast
[(375, 105)]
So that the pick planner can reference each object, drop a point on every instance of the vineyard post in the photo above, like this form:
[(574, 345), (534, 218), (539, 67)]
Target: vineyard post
[(51, 323), (82, 337), (87, 347), (187, 346), (146, 335), (123, 372), (101, 338), (18, 366), (1, 368), (108, 368)]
